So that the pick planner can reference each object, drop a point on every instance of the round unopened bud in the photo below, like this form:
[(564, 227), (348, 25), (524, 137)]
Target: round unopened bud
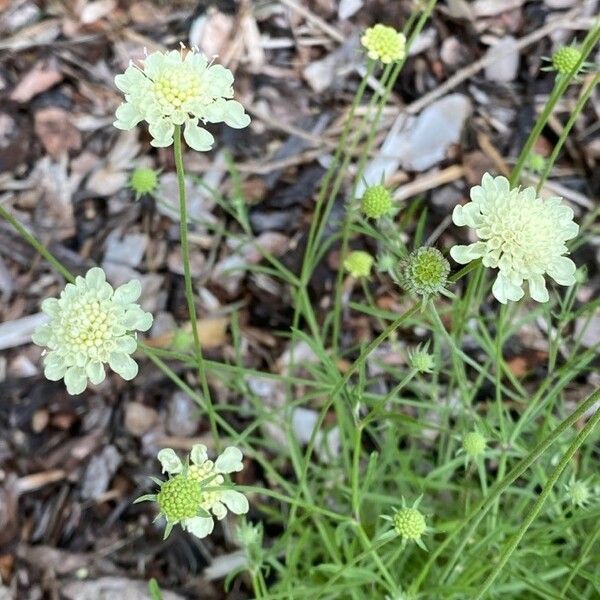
[(143, 181), (424, 272), (565, 59), (421, 361), (474, 444), (409, 523), (358, 263), (179, 498), (579, 493), (376, 201)]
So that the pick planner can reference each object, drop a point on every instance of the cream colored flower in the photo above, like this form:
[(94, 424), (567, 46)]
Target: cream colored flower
[(91, 324), (202, 492), (521, 235), (177, 88), (384, 43)]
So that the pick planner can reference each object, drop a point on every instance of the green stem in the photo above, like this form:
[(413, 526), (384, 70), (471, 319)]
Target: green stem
[(187, 274), (560, 86), (533, 513), (37, 245), (566, 130), (477, 514)]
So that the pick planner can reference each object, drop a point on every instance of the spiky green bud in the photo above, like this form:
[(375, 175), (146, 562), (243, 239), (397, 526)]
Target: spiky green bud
[(143, 181), (376, 201), (410, 524), (565, 59), (474, 444), (358, 263), (421, 360)]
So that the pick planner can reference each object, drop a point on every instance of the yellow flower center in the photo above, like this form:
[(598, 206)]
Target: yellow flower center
[(176, 88), (201, 473), (87, 326)]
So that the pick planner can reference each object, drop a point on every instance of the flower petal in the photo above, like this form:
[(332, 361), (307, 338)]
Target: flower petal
[(219, 510), (198, 455), (465, 254), (54, 371), (51, 306), (128, 292), (75, 380), (562, 270), (196, 137), (126, 344), (229, 461), (199, 526), (95, 371), (537, 288), (137, 319), (127, 116), (95, 278), (236, 502), (41, 336), (170, 462), (124, 365), (504, 290)]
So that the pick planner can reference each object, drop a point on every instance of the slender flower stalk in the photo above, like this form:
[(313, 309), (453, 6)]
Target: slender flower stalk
[(187, 275)]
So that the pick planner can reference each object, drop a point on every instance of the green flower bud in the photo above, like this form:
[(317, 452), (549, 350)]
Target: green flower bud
[(565, 59), (376, 201), (579, 493), (410, 524), (143, 181), (358, 263), (421, 360), (474, 444)]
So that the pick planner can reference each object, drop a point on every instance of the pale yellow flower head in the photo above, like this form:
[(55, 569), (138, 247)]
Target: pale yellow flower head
[(521, 235), (178, 88), (196, 490), (384, 43), (91, 324)]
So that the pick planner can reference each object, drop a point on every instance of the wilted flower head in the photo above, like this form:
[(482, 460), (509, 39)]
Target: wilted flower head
[(521, 235), (424, 272), (384, 43), (143, 181), (91, 324), (177, 88), (376, 201), (358, 263), (195, 490)]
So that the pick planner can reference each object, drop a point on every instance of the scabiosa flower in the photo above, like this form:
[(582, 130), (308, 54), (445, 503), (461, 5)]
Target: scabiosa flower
[(358, 264), (521, 235), (174, 88), (91, 324), (384, 43), (409, 523), (376, 201), (143, 181), (424, 272), (195, 489)]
